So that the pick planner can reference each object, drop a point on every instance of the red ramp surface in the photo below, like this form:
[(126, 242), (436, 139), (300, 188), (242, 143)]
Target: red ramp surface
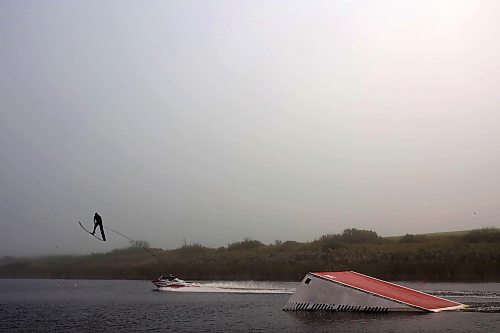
[(388, 290)]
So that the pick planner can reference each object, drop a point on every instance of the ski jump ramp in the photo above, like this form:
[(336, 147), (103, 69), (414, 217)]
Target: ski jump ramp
[(352, 291)]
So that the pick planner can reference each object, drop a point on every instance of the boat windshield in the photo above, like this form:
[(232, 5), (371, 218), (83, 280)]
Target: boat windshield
[(169, 277)]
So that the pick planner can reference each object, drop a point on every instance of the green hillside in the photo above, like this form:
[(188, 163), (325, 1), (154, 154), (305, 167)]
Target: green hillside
[(458, 256)]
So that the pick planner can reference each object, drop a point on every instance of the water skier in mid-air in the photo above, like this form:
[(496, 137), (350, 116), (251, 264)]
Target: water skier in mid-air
[(98, 222)]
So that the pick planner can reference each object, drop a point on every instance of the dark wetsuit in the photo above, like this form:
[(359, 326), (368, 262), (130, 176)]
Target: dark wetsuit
[(98, 222)]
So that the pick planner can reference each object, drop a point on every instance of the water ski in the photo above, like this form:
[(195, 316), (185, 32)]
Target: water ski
[(81, 225)]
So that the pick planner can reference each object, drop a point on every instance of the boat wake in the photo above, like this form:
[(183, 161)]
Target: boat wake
[(485, 301), (468, 294), (245, 287), (482, 307)]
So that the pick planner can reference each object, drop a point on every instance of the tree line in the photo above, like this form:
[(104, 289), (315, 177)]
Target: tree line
[(463, 256)]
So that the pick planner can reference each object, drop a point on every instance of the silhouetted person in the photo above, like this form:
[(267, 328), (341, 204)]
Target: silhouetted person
[(98, 222)]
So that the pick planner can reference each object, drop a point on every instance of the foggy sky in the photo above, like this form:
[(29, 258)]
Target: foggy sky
[(212, 121)]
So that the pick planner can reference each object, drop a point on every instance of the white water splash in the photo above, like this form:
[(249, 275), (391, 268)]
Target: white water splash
[(243, 287)]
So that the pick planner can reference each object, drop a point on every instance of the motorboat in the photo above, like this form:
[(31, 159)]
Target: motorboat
[(171, 281)]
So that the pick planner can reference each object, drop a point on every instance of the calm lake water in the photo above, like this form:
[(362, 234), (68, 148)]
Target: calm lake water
[(127, 306)]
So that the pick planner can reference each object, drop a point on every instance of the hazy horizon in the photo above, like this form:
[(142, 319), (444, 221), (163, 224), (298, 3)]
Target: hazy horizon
[(212, 121)]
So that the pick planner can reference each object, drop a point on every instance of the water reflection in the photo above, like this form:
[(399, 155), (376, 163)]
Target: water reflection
[(356, 318)]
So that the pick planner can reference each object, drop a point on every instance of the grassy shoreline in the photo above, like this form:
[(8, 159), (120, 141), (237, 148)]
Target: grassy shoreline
[(468, 256)]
